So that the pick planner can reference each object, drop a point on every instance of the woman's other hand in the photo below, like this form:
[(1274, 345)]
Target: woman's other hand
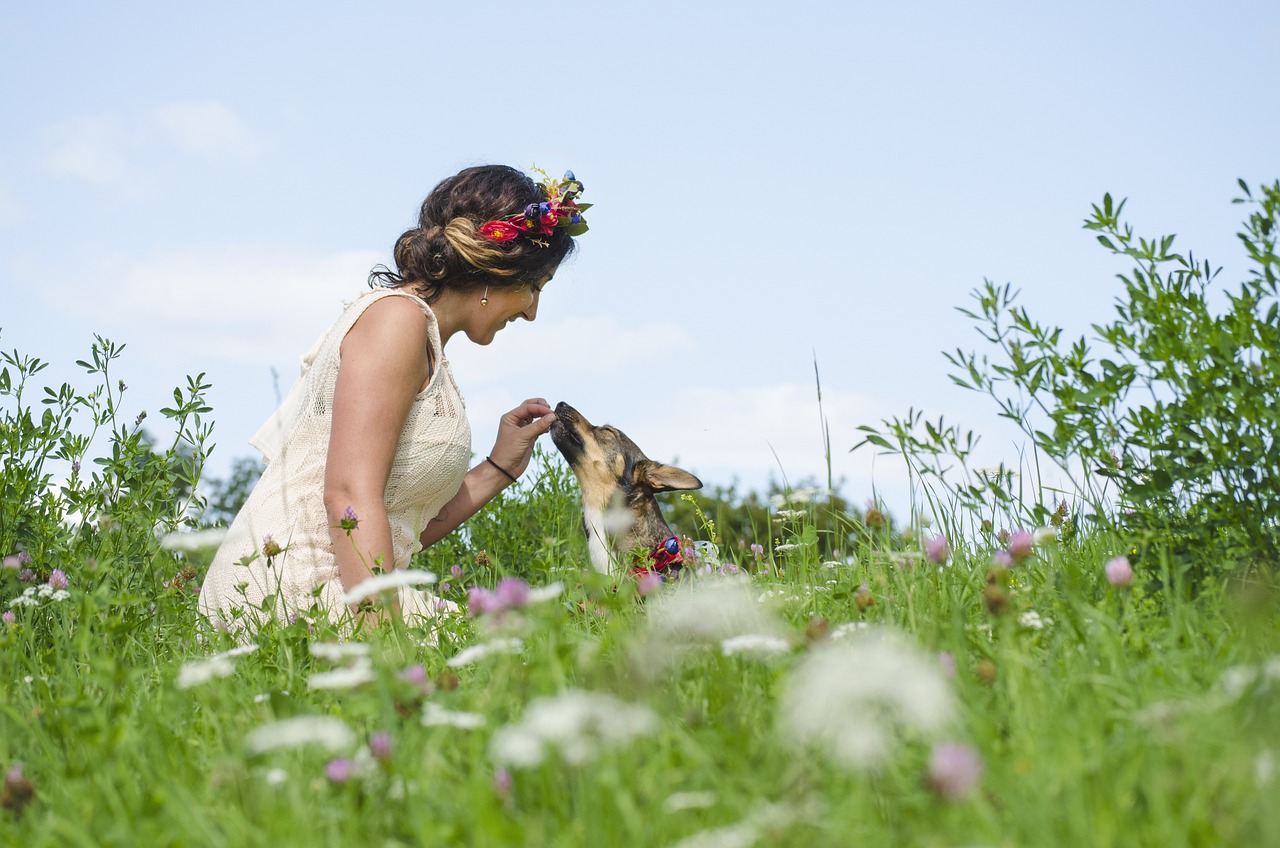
[(518, 430)]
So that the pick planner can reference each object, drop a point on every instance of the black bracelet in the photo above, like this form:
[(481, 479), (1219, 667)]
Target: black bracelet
[(504, 471)]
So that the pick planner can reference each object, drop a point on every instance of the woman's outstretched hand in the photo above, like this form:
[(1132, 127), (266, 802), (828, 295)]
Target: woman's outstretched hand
[(518, 430)]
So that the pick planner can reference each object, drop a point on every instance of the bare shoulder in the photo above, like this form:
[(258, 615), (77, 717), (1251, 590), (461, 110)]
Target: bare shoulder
[(389, 323)]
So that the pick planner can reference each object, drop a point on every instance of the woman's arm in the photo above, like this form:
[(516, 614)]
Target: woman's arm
[(383, 366), (517, 432)]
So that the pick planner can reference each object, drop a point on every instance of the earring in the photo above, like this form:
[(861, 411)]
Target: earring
[(484, 300)]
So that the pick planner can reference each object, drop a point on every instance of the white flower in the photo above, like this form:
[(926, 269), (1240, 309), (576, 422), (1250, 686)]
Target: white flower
[(549, 592), (325, 731), (24, 601), (842, 631), (755, 644), (275, 776), (434, 715), (59, 595), (335, 651), (392, 580), (342, 678), (195, 541), (475, 653), (261, 698), (238, 651), (709, 611), (202, 671), (678, 801), (783, 548), (576, 724), (792, 513), (850, 698), (1044, 535), (1032, 620)]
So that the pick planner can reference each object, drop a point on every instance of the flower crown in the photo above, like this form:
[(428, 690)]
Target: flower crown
[(560, 211)]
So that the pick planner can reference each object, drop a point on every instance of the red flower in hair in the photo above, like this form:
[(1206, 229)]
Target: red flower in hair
[(499, 231)]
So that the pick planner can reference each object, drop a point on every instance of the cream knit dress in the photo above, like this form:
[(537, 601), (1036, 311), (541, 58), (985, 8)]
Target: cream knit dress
[(243, 587)]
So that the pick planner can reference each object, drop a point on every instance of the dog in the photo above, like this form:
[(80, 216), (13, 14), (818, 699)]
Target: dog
[(622, 519)]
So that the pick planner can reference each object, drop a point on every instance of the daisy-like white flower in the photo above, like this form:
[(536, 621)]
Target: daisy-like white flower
[(324, 731), (475, 653), (549, 592), (755, 644), (199, 540), (434, 715), (1032, 620), (389, 582), (576, 724), (343, 678), (851, 699), (202, 671), (338, 651)]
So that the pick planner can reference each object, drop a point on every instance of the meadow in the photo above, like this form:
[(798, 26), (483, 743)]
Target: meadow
[(991, 669)]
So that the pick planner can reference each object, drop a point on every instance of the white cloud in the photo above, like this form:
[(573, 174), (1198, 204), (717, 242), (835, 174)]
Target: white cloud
[(240, 303), (109, 149)]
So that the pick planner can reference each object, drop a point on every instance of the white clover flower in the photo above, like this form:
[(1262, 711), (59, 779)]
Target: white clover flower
[(434, 715), (343, 678), (549, 592), (755, 644), (324, 731), (202, 671), (784, 547), (1032, 620), (391, 581), (198, 540), (1044, 535), (678, 801), (335, 651), (24, 600), (475, 653), (576, 724), (852, 698)]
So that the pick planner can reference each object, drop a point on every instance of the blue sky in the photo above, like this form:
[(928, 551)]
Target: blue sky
[(774, 183)]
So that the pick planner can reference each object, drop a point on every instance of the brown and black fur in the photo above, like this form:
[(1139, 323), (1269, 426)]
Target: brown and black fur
[(618, 483)]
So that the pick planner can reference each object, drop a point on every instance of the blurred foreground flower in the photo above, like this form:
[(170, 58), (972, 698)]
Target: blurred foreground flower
[(954, 770), (196, 672), (475, 653), (434, 715), (197, 541), (1119, 571), (851, 699), (937, 549), (17, 790), (1021, 545), (391, 581), (324, 731), (576, 724)]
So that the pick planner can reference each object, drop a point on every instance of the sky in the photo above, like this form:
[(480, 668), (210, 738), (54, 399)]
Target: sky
[(778, 188)]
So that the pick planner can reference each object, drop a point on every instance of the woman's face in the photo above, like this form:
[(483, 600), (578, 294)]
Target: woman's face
[(505, 305)]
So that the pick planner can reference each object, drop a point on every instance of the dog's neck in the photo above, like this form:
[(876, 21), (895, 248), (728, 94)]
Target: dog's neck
[(611, 548)]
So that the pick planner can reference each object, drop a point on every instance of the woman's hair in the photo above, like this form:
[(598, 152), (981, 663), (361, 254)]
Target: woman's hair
[(446, 250)]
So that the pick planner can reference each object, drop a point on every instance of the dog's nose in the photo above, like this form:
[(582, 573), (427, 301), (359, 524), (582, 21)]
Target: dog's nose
[(563, 407)]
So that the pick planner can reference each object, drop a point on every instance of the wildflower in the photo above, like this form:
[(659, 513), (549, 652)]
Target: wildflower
[(456, 571), (873, 517), (995, 599), (271, 548), (275, 776), (851, 699), (202, 671), (416, 675), (1002, 559), (380, 746), (576, 723), (26, 575), (709, 613), (947, 662), (937, 549), (757, 549), (198, 541), (349, 521), (343, 678), (863, 599), (511, 593), (445, 587), (325, 731), (1032, 620), (1119, 571), (475, 653), (483, 560), (8, 617), (502, 782), (336, 651), (1021, 545), (755, 644), (1044, 535), (549, 592), (783, 548), (434, 715), (1002, 536), (954, 770), (985, 671), (339, 770), (678, 801), (17, 790), (12, 561), (392, 580), (648, 582)]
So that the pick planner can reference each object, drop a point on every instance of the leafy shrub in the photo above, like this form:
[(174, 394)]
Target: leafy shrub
[(1165, 422)]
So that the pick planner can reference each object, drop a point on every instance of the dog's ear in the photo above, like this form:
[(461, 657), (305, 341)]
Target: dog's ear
[(665, 478)]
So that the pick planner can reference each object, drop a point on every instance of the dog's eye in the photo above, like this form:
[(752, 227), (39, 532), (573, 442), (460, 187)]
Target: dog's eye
[(672, 546)]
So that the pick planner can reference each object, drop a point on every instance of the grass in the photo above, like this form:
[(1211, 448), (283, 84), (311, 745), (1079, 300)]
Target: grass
[(1130, 716)]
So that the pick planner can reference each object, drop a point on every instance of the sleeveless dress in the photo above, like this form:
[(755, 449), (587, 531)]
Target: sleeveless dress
[(243, 586)]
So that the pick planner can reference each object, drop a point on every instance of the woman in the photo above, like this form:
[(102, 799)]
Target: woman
[(367, 459)]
